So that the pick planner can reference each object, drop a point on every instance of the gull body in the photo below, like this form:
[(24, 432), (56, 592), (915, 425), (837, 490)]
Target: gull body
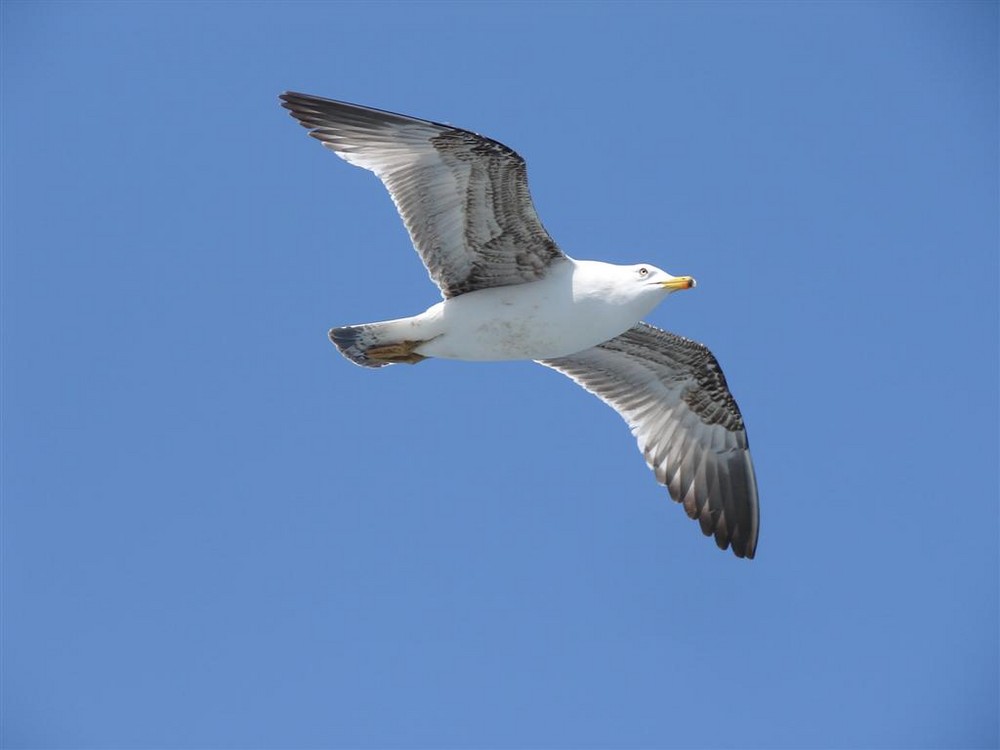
[(539, 319)]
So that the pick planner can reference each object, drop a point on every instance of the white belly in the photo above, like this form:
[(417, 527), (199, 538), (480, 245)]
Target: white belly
[(539, 320)]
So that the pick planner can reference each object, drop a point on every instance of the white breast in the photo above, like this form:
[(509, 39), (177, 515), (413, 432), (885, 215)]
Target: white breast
[(577, 306)]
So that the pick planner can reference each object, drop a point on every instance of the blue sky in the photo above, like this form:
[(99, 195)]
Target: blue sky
[(219, 533)]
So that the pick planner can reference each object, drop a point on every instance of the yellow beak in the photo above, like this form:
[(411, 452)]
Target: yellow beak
[(679, 282)]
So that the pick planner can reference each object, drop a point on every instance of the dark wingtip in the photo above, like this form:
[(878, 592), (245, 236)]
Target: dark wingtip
[(286, 98), (742, 546)]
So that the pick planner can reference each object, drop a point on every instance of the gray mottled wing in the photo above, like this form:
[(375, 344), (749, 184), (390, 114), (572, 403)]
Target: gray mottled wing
[(672, 393), (463, 198)]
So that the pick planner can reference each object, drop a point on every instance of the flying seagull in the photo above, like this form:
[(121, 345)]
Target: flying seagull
[(509, 292)]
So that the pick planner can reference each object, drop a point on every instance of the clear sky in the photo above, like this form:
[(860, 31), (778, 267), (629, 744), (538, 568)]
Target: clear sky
[(219, 533)]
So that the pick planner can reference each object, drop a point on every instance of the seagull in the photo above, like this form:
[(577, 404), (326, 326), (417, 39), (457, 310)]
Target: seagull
[(508, 292)]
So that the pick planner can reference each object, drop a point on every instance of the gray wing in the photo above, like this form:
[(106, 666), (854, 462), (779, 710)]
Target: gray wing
[(463, 198), (672, 393)]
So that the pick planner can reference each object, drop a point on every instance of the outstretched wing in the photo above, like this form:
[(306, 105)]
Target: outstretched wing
[(673, 395), (463, 198)]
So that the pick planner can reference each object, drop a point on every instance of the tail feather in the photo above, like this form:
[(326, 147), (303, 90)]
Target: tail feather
[(354, 342), (372, 345)]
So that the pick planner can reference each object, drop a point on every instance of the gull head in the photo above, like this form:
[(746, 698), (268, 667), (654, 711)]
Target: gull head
[(636, 288), (657, 280)]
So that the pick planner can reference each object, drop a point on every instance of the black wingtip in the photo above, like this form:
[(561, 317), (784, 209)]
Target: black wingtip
[(286, 98), (742, 545)]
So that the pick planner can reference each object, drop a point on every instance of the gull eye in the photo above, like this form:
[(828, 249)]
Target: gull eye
[(643, 272)]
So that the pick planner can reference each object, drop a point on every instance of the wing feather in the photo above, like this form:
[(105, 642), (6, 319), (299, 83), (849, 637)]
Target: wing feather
[(694, 440), (463, 197)]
